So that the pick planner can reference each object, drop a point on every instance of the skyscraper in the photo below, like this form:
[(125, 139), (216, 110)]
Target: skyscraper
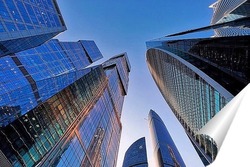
[(193, 85), (165, 152), (198, 77), (53, 110), (136, 155), (32, 76), (78, 126), (27, 24)]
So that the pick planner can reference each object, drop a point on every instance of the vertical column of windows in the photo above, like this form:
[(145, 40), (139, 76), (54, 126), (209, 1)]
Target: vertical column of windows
[(15, 15), (4, 13), (32, 16), (116, 90), (72, 155), (24, 14), (91, 50)]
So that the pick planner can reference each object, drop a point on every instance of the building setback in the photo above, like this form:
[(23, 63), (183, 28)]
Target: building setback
[(27, 24), (165, 152), (136, 154), (32, 76)]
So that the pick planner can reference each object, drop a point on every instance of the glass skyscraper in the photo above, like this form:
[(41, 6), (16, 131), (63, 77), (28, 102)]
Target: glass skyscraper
[(136, 155), (27, 24), (198, 77), (30, 77), (77, 126), (165, 152), (54, 111)]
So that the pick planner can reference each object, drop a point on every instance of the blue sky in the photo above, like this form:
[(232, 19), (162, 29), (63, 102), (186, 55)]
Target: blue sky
[(125, 26)]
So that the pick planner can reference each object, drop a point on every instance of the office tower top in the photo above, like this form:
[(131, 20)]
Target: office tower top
[(27, 24), (123, 67), (136, 154), (165, 152), (32, 76), (117, 69), (229, 10)]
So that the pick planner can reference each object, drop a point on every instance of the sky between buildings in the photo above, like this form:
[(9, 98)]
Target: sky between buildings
[(125, 26)]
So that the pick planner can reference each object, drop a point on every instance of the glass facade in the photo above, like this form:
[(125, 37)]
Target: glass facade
[(165, 151), (228, 10), (117, 69), (197, 78), (192, 96), (30, 77), (123, 68), (25, 24), (136, 155), (91, 49), (53, 110), (98, 133), (29, 138), (78, 126)]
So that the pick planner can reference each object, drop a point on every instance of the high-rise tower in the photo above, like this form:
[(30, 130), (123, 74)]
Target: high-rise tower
[(198, 77), (53, 110), (136, 154), (165, 152), (77, 126), (32, 76)]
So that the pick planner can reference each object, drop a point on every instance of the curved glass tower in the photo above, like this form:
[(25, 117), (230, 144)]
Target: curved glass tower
[(136, 155), (53, 110), (198, 77), (165, 152), (192, 95)]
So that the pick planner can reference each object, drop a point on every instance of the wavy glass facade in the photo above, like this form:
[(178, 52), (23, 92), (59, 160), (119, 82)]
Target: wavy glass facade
[(165, 152), (32, 76), (27, 24), (78, 126), (136, 154), (229, 10)]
